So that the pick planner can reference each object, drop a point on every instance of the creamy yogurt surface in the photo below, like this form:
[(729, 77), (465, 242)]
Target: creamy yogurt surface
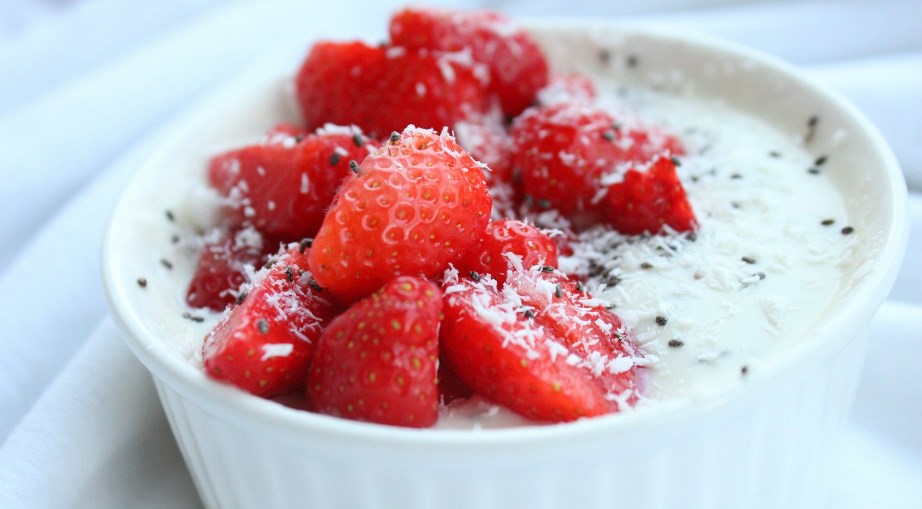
[(708, 308)]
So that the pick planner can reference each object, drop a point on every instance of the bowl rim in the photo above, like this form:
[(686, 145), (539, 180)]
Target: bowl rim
[(857, 308)]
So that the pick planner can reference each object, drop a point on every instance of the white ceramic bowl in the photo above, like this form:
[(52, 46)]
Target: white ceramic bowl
[(762, 444)]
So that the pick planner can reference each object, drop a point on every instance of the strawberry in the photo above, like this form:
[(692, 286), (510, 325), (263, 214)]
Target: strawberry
[(413, 206), (564, 150), (382, 89), (540, 347), (264, 344), (284, 186), (377, 361), (503, 238), (649, 200), (221, 268), (517, 66)]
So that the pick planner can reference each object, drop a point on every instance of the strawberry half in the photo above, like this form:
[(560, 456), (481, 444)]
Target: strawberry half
[(517, 66), (413, 206), (264, 345), (377, 361), (222, 266), (508, 237), (540, 347), (382, 89), (648, 200), (563, 150), (284, 186)]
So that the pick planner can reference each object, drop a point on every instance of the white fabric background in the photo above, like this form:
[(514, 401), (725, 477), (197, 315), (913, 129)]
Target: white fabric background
[(84, 81)]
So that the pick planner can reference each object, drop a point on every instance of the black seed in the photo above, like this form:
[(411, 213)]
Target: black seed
[(189, 316), (821, 160), (142, 282), (848, 230), (475, 275), (612, 280), (170, 216), (289, 274), (813, 171), (827, 222), (174, 239), (354, 166), (395, 137), (748, 259), (692, 236), (579, 287), (305, 244), (632, 60), (358, 139), (263, 326), (529, 313), (734, 204), (744, 370), (334, 158), (736, 176), (760, 275), (242, 297), (298, 138), (166, 263), (775, 154), (547, 268), (558, 291), (315, 286), (661, 321), (675, 343), (646, 265), (604, 56), (812, 122), (609, 135), (675, 160)]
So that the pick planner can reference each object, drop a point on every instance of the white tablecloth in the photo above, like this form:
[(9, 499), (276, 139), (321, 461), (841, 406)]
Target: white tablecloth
[(83, 82)]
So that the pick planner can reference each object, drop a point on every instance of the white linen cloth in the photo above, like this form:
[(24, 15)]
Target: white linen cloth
[(83, 82)]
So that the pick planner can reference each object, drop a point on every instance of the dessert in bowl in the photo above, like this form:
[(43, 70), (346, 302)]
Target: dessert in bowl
[(738, 411)]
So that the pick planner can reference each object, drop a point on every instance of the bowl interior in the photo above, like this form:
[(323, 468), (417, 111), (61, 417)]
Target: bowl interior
[(138, 242)]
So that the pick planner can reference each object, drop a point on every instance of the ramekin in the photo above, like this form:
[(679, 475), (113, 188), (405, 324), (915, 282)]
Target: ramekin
[(762, 443)]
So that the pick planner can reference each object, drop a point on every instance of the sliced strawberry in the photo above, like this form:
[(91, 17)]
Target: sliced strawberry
[(517, 66), (283, 188), (648, 200), (503, 238), (222, 267), (383, 89), (564, 150), (414, 205), (541, 347), (264, 345), (377, 361)]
